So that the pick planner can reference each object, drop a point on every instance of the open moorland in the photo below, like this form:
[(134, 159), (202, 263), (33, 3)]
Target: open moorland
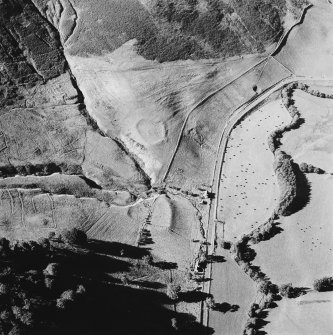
[(166, 166)]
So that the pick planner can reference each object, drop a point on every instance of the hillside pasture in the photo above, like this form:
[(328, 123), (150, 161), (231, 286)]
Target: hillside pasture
[(308, 49), (174, 226), (92, 28), (248, 189), (303, 251), (45, 126), (78, 186), (110, 166), (30, 214), (307, 315), (312, 142), (230, 286), (144, 104), (195, 158)]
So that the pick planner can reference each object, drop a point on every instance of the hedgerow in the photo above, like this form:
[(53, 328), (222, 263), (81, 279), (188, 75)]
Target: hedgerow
[(323, 284)]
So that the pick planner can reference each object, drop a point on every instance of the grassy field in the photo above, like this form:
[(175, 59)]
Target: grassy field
[(249, 190), (174, 227), (303, 250), (45, 127), (78, 186), (194, 161), (30, 214), (309, 46), (312, 142), (307, 315), (231, 286), (47, 133), (52, 141), (143, 103), (110, 166)]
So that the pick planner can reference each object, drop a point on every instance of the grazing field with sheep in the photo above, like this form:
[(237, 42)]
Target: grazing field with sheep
[(248, 185)]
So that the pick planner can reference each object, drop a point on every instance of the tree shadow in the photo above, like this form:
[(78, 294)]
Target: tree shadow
[(165, 265), (215, 259), (225, 307), (132, 311), (90, 183), (276, 230), (269, 233), (257, 324), (193, 296), (117, 249), (145, 238), (299, 291), (103, 307), (303, 191), (89, 264), (261, 323), (202, 279), (261, 332), (262, 314), (148, 284)]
